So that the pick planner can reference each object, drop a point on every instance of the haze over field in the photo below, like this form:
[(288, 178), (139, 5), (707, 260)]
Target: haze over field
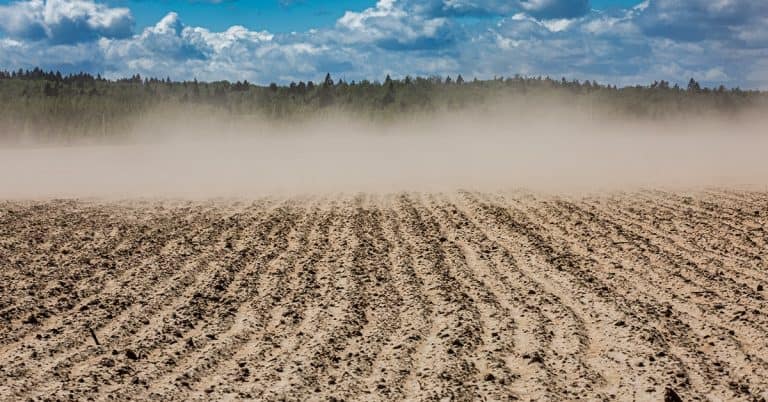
[(202, 158)]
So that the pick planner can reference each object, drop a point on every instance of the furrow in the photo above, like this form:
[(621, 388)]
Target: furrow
[(226, 366), (628, 281), (623, 349), (445, 365), (546, 326), (681, 292), (383, 303), (391, 370), (198, 321), (68, 341)]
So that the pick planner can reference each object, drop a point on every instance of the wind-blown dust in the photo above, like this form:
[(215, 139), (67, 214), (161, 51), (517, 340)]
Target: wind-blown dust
[(204, 158)]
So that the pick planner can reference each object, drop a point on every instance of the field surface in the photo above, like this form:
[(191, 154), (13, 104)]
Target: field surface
[(516, 296)]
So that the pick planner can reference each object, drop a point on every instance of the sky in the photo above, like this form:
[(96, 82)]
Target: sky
[(624, 42), (271, 15)]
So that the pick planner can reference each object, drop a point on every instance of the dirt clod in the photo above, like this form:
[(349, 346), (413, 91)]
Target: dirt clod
[(671, 396), (130, 354)]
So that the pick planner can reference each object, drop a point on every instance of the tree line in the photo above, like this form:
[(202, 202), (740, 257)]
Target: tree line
[(56, 104)]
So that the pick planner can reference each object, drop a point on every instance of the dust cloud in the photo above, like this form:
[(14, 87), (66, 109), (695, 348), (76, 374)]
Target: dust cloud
[(554, 150)]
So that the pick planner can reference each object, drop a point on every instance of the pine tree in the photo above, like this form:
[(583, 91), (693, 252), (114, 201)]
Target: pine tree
[(693, 86), (389, 98)]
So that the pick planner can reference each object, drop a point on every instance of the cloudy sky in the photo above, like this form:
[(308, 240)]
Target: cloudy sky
[(612, 41)]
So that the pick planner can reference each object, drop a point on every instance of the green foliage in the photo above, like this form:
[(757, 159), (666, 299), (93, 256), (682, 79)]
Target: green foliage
[(50, 104)]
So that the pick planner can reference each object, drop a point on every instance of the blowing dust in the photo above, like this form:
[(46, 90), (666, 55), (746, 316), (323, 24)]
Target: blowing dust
[(187, 157)]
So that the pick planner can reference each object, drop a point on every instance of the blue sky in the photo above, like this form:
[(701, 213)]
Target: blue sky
[(272, 15), (621, 42)]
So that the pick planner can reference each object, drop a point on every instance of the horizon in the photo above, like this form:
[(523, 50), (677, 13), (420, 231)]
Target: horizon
[(459, 79), (621, 43)]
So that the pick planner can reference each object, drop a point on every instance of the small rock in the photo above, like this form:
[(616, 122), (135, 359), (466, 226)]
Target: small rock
[(124, 370), (620, 323), (490, 377), (32, 319), (131, 355), (760, 288), (537, 358), (671, 396)]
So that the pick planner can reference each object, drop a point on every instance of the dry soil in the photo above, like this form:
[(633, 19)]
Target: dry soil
[(469, 296)]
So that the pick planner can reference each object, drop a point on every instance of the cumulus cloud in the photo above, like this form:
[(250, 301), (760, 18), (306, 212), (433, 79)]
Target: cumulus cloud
[(415, 25), (64, 21), (657, 39), (454, 8), (173, 47), (696, 20), (394, 28), (547, 9)]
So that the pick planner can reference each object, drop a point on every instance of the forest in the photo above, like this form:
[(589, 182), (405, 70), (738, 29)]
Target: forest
[(53, 105)]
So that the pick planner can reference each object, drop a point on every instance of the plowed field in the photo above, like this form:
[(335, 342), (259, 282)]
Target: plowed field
[(628, 296)]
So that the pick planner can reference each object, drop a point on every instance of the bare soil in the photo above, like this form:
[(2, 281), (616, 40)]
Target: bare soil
[(646, 295)]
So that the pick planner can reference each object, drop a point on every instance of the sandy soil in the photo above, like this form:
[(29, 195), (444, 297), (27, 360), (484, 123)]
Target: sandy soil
[(467, 296)]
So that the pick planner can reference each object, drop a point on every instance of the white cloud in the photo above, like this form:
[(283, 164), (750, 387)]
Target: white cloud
[(404, 37), (395, 28), (696, 20), (64, 21), (546, 9), (555, 9)]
